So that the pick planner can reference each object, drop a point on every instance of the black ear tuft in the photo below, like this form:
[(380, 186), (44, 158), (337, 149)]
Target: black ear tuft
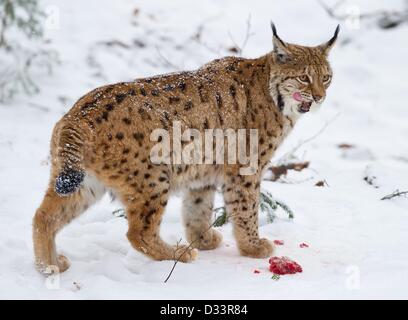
[(327, 46), (275, 34), (333, 39), (274, 29)]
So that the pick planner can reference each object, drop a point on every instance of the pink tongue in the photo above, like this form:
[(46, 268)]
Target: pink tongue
[(297, 96)]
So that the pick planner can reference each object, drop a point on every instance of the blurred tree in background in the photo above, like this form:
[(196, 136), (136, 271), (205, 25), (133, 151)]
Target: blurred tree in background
[(22, 47)]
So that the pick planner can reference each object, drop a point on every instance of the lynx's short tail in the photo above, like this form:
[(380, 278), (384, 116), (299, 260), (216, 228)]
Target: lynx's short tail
[(69, 143)]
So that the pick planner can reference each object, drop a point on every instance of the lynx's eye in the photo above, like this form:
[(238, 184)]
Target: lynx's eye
[(326, 78), (303, 78)]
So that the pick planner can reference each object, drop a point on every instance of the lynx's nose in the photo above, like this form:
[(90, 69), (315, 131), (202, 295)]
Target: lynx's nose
[(317, 98)]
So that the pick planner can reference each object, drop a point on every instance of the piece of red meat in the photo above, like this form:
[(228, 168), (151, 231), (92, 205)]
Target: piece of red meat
[(279, 242), (283, 265), (304, 245)]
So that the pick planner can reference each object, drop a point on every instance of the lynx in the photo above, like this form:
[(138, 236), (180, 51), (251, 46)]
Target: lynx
[(103, 144)]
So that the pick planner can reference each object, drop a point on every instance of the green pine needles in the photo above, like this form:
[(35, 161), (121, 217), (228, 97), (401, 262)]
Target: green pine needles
[(267, 204), (22, 49)]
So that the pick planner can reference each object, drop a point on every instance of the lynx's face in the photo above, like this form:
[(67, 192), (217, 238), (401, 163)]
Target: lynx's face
[(301, 76)]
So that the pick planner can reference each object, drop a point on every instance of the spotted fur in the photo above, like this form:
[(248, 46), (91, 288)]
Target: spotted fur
[(103, 143)]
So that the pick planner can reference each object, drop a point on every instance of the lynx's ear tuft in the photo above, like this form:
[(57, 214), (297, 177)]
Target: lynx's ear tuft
[(326, 47), (280, 48)]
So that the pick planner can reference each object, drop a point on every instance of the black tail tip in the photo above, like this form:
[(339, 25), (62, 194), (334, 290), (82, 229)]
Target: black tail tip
[(68, 182)]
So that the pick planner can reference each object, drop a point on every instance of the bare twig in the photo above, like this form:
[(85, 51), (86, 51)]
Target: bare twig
[(345, 146), (197, 37), (321, 183), (176, 261), (166, 61), (209, 48), (288, 155), (331, 11), (248, 34), (396, 193), (114, 43), (38, 106)]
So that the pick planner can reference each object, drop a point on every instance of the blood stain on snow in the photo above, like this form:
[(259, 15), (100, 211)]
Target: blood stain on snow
[(279, 242)]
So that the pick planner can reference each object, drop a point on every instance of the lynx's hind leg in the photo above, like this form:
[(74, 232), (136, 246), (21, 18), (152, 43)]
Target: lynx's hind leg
[(144, 209), (53, 214), (197, 214)]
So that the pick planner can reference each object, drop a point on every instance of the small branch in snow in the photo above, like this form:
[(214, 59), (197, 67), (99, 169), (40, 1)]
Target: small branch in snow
[(166, 62), (282, 170), (238, 49), (177, 260), (322, 183), (396, 193), (290, 155), (268, 204), (331, 11), (114, 43), (197, 36), (345, 146)]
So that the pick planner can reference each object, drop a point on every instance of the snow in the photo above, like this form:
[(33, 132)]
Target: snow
[(357, 243)]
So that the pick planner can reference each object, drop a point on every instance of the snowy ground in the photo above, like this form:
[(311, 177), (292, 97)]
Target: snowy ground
[(358, 244)]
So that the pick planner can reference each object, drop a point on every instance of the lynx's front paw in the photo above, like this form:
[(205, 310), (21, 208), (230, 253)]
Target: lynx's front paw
[(256, 248)]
